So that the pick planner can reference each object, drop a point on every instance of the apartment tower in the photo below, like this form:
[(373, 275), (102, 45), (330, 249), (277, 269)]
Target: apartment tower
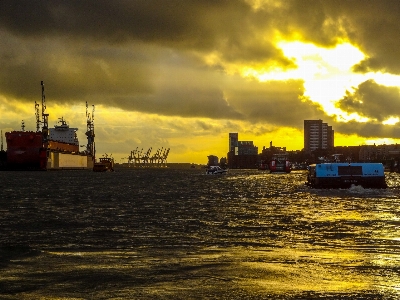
[(317, 135)]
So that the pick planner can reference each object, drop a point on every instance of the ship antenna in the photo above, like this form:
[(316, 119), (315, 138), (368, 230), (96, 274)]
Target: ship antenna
[(45, 117)]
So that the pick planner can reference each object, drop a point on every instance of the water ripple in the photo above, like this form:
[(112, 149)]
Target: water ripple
[(179, 234)]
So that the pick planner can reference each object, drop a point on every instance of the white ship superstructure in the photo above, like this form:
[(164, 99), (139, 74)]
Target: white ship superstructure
[(63, 133)]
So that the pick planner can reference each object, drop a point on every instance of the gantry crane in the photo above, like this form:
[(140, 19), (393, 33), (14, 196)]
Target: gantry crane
[(158, 159)]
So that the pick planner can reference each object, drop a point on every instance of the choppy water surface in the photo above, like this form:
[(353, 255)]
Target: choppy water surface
[(180, 234)]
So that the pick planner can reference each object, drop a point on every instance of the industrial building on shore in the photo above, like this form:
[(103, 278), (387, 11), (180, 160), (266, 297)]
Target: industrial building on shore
[(242, 154)]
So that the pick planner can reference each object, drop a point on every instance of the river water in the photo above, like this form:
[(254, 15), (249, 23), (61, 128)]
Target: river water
[(181, 234)]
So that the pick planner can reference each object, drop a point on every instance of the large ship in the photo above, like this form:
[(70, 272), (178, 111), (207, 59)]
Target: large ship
[(49, 148)]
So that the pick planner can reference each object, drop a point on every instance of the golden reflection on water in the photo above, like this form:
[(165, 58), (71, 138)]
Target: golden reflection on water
[(329, 271), (244, 236)]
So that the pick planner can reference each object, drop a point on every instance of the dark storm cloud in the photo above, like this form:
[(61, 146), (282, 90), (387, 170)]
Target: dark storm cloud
[(141, 78), (376, 29), (112, 52), (372, 100), (234, 28), (71, 71), (376, 102), (185, 103), (123, 53), (367, 130), (112, 21), (270, 102), (274, 102), (230, 26)]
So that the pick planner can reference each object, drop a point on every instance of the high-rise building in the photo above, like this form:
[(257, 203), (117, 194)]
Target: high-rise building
[(317, 135), (233, 141)]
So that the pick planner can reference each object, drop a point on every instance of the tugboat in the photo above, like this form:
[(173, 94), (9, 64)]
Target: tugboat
[(105, 164), (344, 175)]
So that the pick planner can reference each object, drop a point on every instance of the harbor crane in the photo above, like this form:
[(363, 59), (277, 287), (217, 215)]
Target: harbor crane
[(138, 158), (90, 147), (145, 157)]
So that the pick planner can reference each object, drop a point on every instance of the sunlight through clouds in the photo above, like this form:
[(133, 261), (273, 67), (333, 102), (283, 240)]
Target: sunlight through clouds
[(391, 121), (326, 73), (190, 73), (385, 78)]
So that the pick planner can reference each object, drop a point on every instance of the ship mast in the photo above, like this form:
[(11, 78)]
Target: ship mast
[(90, 148), (2, 141), (45, 117)]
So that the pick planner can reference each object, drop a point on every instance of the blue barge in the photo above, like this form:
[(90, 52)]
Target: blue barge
[(343, 175)]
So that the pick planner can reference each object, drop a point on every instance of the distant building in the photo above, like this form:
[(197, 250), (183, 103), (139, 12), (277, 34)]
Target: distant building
[(223, 162), (233, 141), (212, 160), (317, 135), (348, 153), (380, 152), (267, 153), (242, 154), (246, 148)]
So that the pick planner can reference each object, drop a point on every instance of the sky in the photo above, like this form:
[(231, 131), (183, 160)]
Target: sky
[(183, 74)]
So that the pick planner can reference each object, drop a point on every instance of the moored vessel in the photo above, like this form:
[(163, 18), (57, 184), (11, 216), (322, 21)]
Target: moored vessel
[(49, 148), (344, 175)]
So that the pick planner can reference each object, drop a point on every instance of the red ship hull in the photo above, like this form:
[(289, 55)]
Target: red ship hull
[(25, 150)]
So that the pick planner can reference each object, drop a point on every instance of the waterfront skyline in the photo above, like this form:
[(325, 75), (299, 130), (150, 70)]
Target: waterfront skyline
[(182, 75)]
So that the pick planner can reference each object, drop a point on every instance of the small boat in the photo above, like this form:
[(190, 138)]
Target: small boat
[(215, 170), (280, 164), (344, 175), (106, 164)]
